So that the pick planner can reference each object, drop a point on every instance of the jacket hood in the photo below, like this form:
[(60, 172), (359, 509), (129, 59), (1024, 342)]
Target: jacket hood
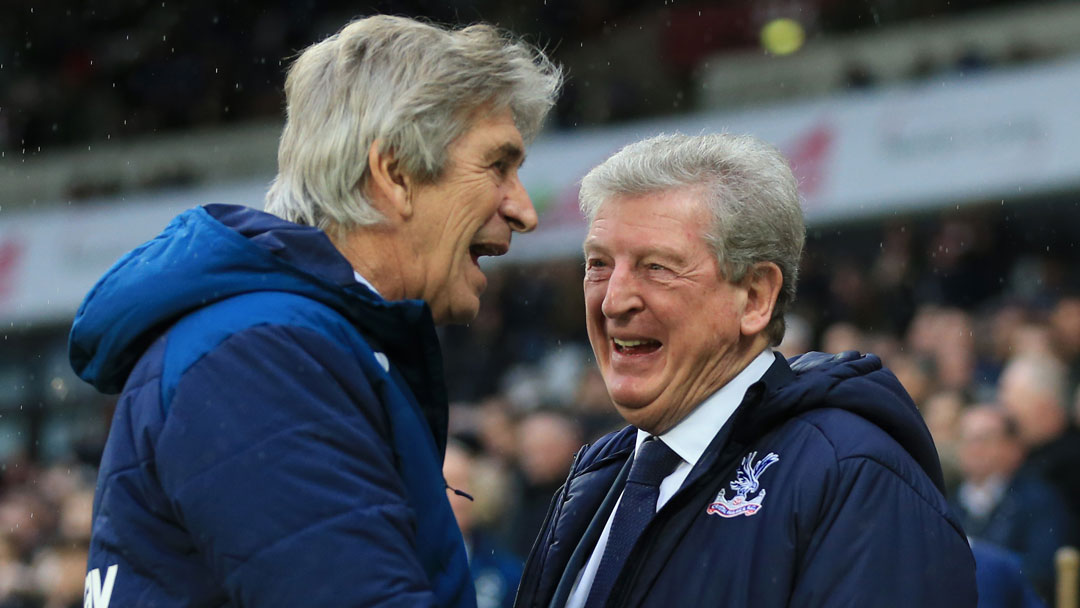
[(204, 255), (849, 381)]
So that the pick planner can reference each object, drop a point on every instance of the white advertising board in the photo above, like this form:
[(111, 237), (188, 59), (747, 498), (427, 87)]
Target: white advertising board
[(1002, 135)]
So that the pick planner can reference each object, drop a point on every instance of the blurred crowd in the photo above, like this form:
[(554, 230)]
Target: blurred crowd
[(44, 533), (977, 313), (88, 71)]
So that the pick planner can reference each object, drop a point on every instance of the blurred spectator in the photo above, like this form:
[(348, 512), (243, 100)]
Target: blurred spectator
[(1033, 391), (1076, 407), (25, 518), (548, 440), (798, 338), (999, 504), (495, 570), (59, 572), (1065, 320), (497, 430), (914, 375), (954, 351), (15, 583), (1005, 322), (1033, 338), (942, 412), (885, 346), (922, 333), (840, 337), (44, 528), (962, 270), (593, 407)]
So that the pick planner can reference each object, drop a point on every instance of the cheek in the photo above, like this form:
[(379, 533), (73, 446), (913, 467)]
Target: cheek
[(703, 330), (594, 300), (594, 316)]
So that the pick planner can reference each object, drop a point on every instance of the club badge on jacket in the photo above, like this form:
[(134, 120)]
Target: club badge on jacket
[(746, 483)]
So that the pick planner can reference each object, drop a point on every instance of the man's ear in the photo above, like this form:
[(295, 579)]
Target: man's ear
[(389, 189), (762, 286)]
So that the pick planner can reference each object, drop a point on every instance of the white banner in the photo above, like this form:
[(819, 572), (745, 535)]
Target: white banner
[(1004, 135), (50, 259)]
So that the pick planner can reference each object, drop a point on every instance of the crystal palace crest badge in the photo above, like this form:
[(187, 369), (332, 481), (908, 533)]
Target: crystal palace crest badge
[(745, 485)]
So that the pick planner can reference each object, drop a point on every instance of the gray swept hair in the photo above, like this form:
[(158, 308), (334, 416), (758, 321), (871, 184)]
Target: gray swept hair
[(1043, 374), (748, 186), (415, 87)]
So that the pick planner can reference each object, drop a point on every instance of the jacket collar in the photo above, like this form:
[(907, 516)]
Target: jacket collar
[(744, 426)]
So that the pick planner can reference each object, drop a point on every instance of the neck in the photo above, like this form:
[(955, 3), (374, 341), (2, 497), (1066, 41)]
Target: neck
[(377, 253), (750, 348)]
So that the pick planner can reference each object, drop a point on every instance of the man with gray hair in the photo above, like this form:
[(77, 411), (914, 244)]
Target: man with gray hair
[(282, 424), (744, 479), (1033, 388)]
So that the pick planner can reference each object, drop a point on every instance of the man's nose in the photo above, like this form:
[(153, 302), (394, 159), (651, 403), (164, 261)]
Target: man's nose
[(622, 296), (518, 209)]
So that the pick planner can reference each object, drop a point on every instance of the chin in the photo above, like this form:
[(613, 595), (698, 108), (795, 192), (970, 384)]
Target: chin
[(460, 314), (642, 418), (629, 395)]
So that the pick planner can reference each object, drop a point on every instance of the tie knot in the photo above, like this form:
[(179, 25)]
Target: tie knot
[(653, 462)]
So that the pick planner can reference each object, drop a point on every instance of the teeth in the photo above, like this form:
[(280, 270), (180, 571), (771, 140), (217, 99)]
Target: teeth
[(630, 343)]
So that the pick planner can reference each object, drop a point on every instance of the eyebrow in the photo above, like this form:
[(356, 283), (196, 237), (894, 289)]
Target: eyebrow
[(663, 253), (509, 151), (590, 245)]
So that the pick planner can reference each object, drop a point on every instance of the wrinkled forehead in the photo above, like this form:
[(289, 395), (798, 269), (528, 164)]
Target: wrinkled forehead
[(654, 195), (681, 213)]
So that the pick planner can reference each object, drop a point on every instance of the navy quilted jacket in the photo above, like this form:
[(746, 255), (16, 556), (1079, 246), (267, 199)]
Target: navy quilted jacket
[(280, 432), (850, 512)]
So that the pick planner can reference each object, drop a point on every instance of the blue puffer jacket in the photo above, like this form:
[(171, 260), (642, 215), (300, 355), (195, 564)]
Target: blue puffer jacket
[(850, 512), (280, 434)]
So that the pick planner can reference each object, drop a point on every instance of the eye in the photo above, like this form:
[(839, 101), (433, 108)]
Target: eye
[(502, 166), (596, 269), (658, 271)]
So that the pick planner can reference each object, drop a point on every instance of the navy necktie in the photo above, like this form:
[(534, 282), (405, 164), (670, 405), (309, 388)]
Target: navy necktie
[(652, 463)]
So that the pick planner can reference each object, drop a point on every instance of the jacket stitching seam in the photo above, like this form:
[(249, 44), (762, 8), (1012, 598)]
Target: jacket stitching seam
[(869, 458)]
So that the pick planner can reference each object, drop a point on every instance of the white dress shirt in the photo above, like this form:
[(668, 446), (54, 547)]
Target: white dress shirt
[(366, 283), (688, 439), (383, 360), (981, 499)]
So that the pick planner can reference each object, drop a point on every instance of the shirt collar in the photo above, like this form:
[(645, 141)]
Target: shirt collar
[(691, 436), (366, 283)]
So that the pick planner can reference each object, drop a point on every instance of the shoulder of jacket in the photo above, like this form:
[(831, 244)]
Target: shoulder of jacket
[(849, 438), (858, 443), (849, 434), (198, 333)]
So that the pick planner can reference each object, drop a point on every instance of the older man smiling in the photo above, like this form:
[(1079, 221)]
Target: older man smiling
[(280, 435), (743, 479)]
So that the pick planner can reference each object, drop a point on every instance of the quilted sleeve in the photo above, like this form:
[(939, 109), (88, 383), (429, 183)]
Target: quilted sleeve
[(881, 542)]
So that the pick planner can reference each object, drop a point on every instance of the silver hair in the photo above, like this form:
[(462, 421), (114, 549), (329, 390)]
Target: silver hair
[(412, 86), (1042, 374), (748, 186)]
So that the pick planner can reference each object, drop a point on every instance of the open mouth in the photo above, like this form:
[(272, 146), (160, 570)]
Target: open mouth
[(478, 250), (642, 346)]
